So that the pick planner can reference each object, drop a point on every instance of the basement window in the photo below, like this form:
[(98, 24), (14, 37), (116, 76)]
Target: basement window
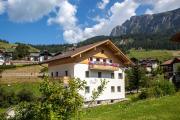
[(98, 102)]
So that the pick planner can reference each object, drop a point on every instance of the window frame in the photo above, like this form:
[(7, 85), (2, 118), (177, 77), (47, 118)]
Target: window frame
[(118, 88), (99, 74), (112, 75), (112, 89), (57, 73), (87, 89), (66, 73), (120, 75), (87, 74)]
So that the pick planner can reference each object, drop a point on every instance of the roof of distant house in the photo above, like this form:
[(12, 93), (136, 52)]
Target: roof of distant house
[(168, 62)]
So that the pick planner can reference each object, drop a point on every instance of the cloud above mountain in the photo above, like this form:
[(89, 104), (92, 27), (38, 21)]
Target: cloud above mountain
[(2, 6), (65, 14)]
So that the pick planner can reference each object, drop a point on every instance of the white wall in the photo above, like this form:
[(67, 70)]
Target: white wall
[(61, 69), (93, 82), (78, 71)]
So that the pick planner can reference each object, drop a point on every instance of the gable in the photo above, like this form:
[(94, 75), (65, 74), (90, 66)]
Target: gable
[(97, 53), (81, 55)]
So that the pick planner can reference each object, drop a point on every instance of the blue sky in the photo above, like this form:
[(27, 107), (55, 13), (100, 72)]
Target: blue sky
[(70, 21)]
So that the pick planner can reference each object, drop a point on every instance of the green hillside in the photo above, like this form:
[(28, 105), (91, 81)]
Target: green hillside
[(9, 47)]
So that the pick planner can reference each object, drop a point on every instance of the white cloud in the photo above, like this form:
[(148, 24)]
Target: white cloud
[(119, 12), (160, 5), (102, 4), (29, 10), (2, 6)]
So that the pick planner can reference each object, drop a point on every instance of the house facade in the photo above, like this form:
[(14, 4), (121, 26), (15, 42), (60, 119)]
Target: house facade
[(171, 69), (102, 60)]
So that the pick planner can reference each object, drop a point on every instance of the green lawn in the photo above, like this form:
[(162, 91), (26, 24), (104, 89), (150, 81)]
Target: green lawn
[(165, 108), (159, 54), (34, 87), (2, 110)]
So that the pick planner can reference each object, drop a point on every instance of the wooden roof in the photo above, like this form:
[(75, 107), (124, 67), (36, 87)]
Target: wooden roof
[(169, 62), (80, 50), (176, 37)]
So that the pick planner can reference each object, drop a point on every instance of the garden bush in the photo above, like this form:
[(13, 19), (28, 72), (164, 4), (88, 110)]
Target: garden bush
[(7, 98), (158, 89), (25, 95)]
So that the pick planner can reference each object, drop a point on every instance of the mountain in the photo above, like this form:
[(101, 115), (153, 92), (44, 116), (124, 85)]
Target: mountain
[(166, 22)]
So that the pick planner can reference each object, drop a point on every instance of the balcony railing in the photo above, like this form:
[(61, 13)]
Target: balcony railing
[(103, 66)]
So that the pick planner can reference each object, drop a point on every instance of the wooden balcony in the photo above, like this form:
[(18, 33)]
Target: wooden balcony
[(103, 66)]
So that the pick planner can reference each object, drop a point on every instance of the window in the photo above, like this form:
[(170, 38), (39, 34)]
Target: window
[(112, 101), (91, 59), (98, 102), (120, 76), (66, 73), (112, 89), (119, 88), (87, 89), (110, 61), (102, 51), (87, 74), (51, 74), (104, 60), (112, 75), (97, 59), (56, 74), (99, 75)]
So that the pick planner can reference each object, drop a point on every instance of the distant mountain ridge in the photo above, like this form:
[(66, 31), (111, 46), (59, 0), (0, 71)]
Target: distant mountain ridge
[(150, 24)]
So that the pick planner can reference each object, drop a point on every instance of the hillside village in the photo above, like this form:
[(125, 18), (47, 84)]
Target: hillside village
[(131, 74)]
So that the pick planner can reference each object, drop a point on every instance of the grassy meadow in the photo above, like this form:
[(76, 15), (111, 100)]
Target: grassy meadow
[(161, 55), (165, 108)]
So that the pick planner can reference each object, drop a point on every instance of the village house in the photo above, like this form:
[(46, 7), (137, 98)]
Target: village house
[(171, 69), (101, 60), (149, 64)]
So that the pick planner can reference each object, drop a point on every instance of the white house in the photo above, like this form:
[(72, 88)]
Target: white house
[(101, 60)]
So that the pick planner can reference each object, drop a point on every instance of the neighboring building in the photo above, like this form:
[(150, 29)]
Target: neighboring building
[(171, 69), (34, 56), (101, 60), (149, 64), (45, 55)]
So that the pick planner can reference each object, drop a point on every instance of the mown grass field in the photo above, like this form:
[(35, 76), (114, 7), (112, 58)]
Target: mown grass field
[(162, 55), (165, 108)]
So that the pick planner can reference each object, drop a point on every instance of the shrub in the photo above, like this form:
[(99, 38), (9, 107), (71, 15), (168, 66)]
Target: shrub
[(159, 88), (7, 98), (25, 95)]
